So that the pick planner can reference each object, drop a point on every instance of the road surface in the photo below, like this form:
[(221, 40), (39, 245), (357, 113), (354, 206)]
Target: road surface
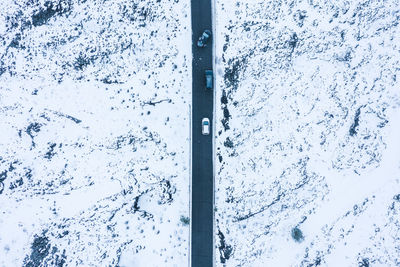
[(202, 155)]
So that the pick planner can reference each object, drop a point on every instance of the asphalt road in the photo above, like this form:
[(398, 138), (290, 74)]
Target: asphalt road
[(202, 155)]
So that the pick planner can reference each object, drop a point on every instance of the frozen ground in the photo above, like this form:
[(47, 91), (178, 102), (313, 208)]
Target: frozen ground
[(94, 118), (307, 133)]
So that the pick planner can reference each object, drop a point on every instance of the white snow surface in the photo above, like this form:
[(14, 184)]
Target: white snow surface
[(94, 119), (307, 133)]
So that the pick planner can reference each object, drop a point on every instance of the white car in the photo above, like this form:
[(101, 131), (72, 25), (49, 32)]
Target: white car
[(205, 126)]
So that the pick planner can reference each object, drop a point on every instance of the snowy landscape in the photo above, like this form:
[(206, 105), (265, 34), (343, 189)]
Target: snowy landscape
[(94, 115), (307, 133)]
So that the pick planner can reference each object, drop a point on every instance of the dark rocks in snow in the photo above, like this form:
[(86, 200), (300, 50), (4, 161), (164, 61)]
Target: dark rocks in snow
[(394, 206), (226, 114), (43, 254), (146, 215), (224, 103), (49, 154), (225, 47), (3, 176), (58, 260), (345, 58), (50, 10), (231, 80), (224, 99), (107, 80), (135, 205), (185, 220), (15, 42), (82, 61), (297, 234), (13, 21), (63, 234), (299, 17), (228, 143), (2, 70), (32, 129), (28, 173), (231, 76), (293, 41), (363, 262), (77, 121), (353, 127), (141, 15), (116, 261), (225, 250), (16, 183), (317, 261), (11, 168), (40, 250), (167, 192)]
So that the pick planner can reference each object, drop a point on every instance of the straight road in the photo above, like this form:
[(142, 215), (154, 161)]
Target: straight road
[(202, 220)]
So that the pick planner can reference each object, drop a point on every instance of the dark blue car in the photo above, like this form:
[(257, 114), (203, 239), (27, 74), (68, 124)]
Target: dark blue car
[(209, 79)]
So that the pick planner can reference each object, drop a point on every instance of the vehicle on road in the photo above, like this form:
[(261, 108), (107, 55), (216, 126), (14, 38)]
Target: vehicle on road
[(203, 39), (205, 126), (209, 79)]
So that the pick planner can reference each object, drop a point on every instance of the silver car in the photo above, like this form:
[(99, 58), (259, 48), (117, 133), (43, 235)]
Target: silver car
[(205, 126), (203, 39)]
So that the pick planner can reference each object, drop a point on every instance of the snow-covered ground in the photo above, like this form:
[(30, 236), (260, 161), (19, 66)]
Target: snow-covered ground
[(94, 119), (307, 133)]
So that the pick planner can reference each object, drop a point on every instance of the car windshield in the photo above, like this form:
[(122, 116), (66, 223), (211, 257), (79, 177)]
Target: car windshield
[(206, 123)]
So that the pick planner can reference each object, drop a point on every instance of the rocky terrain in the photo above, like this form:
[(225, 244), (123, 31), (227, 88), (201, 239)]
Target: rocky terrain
[(94, 118), (308, 161)]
